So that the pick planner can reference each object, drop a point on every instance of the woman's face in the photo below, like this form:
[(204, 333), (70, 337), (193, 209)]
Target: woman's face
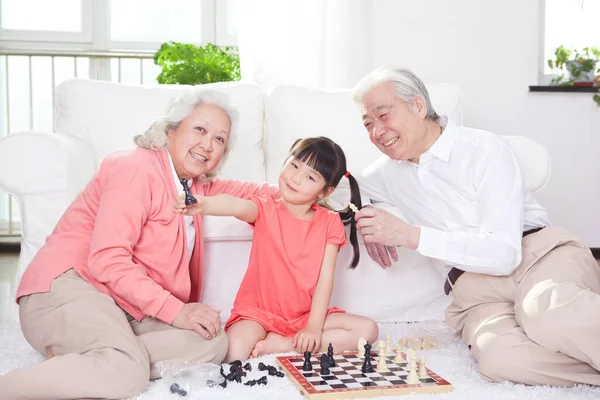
[(197, 145)]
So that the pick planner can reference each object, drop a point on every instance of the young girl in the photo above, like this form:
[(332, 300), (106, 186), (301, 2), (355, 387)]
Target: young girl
[(282, 303)]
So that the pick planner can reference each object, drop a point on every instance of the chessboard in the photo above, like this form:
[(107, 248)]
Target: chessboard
[(347, 379)]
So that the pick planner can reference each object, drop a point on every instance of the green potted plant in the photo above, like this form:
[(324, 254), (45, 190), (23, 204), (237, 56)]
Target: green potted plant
[(582, 66), (188, 64)]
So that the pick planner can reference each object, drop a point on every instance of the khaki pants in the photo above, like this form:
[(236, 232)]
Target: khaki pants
[(100, 353), (539, 325)]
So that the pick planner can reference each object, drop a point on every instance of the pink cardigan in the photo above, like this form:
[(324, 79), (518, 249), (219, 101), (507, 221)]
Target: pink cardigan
[(121, 235)]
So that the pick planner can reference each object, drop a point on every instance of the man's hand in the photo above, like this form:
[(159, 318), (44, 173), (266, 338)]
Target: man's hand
[(379, 226), (379, 254), (192, 209), (200, 318), (307, 339)]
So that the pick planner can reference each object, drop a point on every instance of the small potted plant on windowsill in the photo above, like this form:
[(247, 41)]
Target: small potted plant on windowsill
[(581, 65)]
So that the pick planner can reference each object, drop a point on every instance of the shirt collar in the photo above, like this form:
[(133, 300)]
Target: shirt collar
[(443, 145), (178, 187)]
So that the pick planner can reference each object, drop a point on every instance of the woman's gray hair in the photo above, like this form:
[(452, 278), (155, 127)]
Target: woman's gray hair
[(406, 84), (178, 109)]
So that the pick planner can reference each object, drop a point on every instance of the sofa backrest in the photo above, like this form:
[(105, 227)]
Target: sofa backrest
[(292, 113), (107, 116)]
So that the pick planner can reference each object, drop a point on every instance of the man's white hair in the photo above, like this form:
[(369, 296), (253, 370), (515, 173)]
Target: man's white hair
[(406, 84), (178, 109)]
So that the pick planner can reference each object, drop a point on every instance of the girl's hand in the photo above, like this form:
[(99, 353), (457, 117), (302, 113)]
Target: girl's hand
[(307, 339), (192, 209)]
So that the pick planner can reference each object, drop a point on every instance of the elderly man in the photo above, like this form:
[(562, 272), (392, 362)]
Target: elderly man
[(526, 294)]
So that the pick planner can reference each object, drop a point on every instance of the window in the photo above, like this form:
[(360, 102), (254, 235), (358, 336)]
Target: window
[(116, 25), (50, 21), (571, 23), (44, 42)]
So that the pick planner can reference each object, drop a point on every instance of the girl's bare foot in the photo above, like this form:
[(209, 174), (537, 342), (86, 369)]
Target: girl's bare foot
[(273, 343)]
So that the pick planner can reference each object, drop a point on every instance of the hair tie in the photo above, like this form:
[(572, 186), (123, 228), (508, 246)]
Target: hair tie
[(347, 174)]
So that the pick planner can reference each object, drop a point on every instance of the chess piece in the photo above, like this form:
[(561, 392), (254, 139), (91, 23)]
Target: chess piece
[(389, 351), (428, 343), (382, 365), (361, 347), (402, 342), (399, 358), (307, 365), (189, 199), (412, 378), (325, 364), (330, 355), (415, 343), (422, 371), (367, 367)]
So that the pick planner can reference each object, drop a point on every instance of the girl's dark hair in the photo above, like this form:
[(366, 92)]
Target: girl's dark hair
[(327, 158)]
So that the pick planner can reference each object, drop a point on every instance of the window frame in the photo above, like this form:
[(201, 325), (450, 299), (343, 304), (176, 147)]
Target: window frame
[(95, 34), (31, 36), (544, 79)]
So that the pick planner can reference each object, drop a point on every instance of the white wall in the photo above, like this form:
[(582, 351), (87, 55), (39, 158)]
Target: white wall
[(490, 49)]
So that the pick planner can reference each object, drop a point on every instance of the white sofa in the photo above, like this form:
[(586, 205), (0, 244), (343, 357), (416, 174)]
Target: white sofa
[(45, 171)]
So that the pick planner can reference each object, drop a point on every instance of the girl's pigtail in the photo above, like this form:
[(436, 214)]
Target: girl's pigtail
[(347, 216)]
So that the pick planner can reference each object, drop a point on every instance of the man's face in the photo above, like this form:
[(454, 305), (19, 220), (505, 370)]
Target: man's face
[(394, 126)]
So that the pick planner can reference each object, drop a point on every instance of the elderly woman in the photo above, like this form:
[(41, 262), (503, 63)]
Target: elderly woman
[(116, 287)]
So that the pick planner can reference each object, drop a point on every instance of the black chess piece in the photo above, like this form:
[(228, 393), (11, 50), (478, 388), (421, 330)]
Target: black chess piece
[(307, 365), (248, 367), (367, 367), (262, 381), (262, 366), (175, 388), (189, 199), (325, 364), (250, 383), (330, 355)]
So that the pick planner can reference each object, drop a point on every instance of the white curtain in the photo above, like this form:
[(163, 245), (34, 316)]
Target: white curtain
[(312, 43)]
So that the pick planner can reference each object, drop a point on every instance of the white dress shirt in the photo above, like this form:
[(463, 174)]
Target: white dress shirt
[(467, 195), (188, 220)]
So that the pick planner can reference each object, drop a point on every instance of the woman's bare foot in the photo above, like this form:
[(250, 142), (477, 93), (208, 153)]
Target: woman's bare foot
[(273, 343)]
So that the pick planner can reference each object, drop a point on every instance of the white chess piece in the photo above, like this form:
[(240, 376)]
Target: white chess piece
[(412, 378), (402, 342), (389, 351), (399, 358), (422, 370), (382, 365), (361, 346)]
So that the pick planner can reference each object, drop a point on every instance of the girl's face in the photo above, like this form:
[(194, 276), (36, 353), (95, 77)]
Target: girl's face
[(300, 184)]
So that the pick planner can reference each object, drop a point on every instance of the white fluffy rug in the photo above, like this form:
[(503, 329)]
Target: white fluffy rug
[(450, 359)]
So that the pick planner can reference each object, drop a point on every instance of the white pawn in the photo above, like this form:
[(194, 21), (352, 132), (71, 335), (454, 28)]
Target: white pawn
[(361, 347), (389, 351), (399, 358), (412, 378), (422, 370), (382, 365)]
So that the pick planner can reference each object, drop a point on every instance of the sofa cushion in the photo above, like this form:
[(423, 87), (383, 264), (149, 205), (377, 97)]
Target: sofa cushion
[(107, 115), (292, 113)]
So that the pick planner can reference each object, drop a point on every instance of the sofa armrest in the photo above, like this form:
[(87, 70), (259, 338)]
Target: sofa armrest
[(33, 163), (44, 172)]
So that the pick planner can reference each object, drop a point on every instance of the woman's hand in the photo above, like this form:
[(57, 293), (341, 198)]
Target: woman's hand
[(200, 318), (307, 339), (192, 209)]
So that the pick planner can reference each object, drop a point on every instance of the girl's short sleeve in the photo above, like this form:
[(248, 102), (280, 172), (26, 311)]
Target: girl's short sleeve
[(265, 205), (336, 234)]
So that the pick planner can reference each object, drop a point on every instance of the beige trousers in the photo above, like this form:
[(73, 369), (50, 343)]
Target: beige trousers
[(539, 325), (100, 352)]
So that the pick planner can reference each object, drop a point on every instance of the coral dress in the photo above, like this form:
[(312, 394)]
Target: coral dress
[(284, 266)]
